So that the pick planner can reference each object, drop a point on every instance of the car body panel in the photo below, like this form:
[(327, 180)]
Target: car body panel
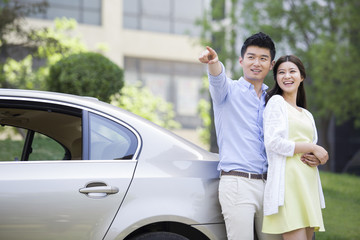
[(162, 198), (168, 179), (44, 198)]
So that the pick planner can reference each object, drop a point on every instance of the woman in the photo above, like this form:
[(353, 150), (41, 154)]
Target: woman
[(293, 195)]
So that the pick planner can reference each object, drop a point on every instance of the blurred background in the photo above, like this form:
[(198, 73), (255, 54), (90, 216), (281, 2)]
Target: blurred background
[(157, 42)]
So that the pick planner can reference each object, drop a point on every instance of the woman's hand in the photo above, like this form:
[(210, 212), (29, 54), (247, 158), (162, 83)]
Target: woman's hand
[(313, 155), (321, 154), (315, 158)]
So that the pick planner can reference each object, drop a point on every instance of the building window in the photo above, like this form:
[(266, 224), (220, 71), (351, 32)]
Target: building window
[(83, 11), (167, 16), (176, 82)]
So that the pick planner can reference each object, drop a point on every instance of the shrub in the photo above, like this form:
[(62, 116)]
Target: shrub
[(89, 74)]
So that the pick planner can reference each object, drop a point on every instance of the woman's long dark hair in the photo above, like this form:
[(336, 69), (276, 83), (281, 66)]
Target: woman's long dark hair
[(276, 90)]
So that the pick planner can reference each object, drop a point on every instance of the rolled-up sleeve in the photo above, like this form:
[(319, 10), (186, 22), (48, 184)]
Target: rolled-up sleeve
[(218, 86)]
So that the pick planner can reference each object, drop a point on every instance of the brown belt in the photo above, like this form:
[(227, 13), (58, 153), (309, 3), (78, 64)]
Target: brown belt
[(245, 174)]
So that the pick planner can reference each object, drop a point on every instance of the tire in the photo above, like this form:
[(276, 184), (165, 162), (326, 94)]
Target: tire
[(160, 236)]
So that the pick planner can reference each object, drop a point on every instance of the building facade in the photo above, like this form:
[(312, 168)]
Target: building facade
[(154, 41)]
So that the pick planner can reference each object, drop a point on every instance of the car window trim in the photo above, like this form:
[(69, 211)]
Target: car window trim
[(85, 135), (27, 148), (44, 106)]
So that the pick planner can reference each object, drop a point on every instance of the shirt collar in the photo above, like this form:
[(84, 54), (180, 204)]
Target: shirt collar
[(245, 83)]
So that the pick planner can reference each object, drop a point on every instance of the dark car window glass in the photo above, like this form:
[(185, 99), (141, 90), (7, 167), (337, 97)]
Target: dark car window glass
[(110, 140)]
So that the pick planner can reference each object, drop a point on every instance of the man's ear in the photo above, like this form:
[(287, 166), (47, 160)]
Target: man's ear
[(272, 64), (240, 60)]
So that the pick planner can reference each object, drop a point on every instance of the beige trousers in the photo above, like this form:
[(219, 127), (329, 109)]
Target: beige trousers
[(241, 202)]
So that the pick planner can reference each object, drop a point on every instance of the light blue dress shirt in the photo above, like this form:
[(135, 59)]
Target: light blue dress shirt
[(238, 115)]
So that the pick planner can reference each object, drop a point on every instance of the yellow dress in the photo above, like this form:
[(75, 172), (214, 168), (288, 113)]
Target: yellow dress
[(302, 203)]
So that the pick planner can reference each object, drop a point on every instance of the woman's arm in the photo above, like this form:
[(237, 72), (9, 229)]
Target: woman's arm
[(318, 151), (310, 158)]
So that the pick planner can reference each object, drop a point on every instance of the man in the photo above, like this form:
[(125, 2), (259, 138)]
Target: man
[(238, 109)]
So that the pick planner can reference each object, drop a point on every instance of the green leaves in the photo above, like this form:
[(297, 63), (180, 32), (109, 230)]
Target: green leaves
[(89, 74), (139, 100), (53, 44), (325, 35)]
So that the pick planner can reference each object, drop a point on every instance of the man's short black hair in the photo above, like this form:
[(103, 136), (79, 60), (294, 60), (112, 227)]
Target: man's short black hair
[(259, 40)]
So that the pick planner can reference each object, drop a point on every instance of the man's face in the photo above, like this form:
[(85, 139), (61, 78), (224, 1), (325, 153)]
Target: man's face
[(256, 63)]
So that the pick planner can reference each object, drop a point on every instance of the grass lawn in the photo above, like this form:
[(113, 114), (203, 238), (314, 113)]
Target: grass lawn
[(342, 212), (10, 150), (43, 149)]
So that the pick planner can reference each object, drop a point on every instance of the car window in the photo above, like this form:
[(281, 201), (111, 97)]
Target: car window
[(48, 131), (12, 143), (110, 140)]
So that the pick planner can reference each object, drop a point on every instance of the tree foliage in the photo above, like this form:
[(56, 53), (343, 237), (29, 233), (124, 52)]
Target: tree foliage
[(219, 26), (89, 74), (12, 18), (14, 36), (204, 110), (52, 44), (325, 35), (139, 100)]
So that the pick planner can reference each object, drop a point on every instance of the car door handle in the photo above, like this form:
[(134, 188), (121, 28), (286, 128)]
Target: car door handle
[(99, 189)]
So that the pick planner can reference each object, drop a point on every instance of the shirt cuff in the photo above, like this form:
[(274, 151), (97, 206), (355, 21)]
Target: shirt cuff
[(218, 77)]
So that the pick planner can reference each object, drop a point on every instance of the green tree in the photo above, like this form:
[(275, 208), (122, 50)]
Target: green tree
[(139, 100), (14, 34), (52, 44), (90, 74), (325, 35), (12, 18), (206, 116)]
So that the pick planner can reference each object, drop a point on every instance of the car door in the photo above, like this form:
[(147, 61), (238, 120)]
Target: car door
[(67, 198)]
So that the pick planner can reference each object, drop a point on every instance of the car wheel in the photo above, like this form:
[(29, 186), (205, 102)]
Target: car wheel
[(160, 236)]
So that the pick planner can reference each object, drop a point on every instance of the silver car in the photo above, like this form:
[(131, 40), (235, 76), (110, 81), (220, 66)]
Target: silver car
[(109, 175)]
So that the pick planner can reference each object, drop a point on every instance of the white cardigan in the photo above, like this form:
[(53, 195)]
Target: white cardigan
[(278, 147)]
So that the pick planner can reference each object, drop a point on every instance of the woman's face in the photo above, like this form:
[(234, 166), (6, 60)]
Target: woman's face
[(289, 77)]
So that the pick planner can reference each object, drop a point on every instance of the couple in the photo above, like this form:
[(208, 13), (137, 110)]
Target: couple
[(248, 120)]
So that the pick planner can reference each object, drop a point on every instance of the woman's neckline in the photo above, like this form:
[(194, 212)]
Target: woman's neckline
[(298, 109)]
